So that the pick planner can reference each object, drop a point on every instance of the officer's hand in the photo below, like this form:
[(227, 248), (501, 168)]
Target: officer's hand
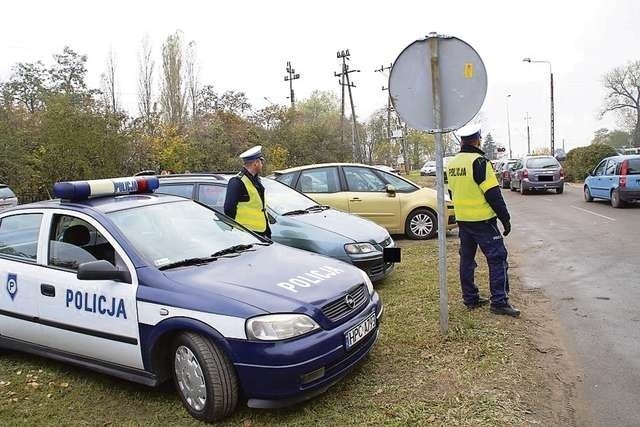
[(507, 228)]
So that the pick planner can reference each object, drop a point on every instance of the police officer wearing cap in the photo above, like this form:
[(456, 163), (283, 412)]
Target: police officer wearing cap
[(245, 194), (478, 203)]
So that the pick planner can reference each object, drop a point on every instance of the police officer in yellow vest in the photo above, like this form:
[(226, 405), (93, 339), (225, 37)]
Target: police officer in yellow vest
[(245, 200), (478, 203)]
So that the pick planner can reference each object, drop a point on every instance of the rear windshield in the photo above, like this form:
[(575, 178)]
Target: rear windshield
[(542, 163), (5, 193), (634, 167)]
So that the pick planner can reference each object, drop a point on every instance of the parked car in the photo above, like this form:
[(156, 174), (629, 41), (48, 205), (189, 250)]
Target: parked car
[(388, 169), (8, 198), (298, 221), (428, 169), (391, 201), (532, 173), (503, 170), (616, 179)]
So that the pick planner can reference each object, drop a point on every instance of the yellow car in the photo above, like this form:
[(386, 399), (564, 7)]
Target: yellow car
[(395, 203)]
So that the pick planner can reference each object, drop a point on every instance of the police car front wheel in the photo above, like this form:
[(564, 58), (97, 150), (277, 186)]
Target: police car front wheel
[(204, 377)]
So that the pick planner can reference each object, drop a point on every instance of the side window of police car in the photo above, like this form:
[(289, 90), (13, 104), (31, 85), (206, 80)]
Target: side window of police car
[(611, 168), (19, 236), (74, 241)]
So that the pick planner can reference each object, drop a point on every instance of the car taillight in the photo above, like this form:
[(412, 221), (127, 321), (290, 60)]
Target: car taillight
[(505, 174), (624, 170), (525, 173)]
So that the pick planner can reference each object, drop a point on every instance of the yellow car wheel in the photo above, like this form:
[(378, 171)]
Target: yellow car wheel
[(421, 224)]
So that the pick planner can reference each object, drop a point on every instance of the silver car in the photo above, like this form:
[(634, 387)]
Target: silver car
[(537, 173), (7, 198)]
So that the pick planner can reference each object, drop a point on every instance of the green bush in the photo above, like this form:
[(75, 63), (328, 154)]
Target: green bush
[(580, 161)]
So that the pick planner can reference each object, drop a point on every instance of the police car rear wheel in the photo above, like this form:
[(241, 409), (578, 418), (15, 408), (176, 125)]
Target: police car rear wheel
[(204, 378), (421, 224)]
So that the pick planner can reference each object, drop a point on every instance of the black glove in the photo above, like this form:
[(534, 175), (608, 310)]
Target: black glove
[(507, 228)]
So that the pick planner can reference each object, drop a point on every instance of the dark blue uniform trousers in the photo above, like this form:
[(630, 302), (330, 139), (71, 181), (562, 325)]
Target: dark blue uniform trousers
[(486, 235)]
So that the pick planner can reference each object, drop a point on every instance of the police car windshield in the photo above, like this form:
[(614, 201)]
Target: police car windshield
[(283, 199), (168, 233)]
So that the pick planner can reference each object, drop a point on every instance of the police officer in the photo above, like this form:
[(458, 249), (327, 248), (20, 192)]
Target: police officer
[(245, 194), (478, 201)]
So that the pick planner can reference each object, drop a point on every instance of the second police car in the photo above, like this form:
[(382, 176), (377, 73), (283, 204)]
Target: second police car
[(149, 287)]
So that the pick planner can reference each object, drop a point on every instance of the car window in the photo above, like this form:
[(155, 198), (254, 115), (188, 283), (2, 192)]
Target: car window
[(321, 180), (182, 190), (6, 193), (212, 195), (600, 169), (542, 163), (74, 241), (170, 232), (400, 184), (286, 179), (633, 167), (363, 179), (610, 169), (19, 235), (282, 199)]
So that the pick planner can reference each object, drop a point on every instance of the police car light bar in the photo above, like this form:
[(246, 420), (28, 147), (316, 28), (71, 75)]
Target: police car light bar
[(82, 190)]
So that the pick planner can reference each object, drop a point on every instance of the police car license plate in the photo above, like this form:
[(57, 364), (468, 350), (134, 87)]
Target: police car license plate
[(358, 332)]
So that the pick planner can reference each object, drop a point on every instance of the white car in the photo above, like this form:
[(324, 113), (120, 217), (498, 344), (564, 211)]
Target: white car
[(429, 168), (7, 198)]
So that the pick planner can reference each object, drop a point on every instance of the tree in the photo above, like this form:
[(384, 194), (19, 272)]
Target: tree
[(173, 93), (489, 147), (623, 95), (615, 138), (146, 65), (109, 91), (69, 72), (27, 85), (193, 85)]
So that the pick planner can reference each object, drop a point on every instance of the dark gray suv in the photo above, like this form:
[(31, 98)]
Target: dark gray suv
[(537, 173)]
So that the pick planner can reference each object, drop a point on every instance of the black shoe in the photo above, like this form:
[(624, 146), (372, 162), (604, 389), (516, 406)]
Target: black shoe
[(505, 310), (479, 303)]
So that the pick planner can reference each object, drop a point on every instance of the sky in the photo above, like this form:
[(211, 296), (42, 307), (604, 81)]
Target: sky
[(245, 45)]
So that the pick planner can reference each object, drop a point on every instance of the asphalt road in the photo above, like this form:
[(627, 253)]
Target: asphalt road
[(586, 258)]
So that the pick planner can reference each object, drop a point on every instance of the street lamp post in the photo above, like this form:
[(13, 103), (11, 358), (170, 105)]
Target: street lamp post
[(527, 118), (509, 127), (529, 60)]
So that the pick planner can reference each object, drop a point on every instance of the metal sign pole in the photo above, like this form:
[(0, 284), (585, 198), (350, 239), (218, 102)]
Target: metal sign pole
[(442, 212)]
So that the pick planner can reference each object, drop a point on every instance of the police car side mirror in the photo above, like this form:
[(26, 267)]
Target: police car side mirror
[(391, 190), (102, 270)]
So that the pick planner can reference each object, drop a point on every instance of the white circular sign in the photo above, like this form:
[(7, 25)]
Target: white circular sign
[(463, 84)]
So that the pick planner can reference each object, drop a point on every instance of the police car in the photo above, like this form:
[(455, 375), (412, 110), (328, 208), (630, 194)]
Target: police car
[(149, 287)]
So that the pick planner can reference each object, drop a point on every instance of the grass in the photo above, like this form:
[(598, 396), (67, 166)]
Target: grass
[(479, 374)]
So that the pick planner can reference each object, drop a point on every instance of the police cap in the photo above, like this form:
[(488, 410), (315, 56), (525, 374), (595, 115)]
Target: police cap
[(251, 154), (469, 132)]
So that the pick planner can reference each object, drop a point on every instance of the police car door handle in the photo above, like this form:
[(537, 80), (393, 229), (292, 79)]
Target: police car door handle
[(47, 290)]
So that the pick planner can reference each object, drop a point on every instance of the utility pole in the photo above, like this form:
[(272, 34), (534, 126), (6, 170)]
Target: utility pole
[(345, 81), (290, 78), (382, 69), (527, 118), (509, 127)]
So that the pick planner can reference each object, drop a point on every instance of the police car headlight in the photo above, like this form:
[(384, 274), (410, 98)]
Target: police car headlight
[(359, 248), (367, 282), (274, 327)]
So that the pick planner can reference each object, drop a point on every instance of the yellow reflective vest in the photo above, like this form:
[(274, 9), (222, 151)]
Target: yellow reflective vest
[(468, 197), (251, 213)]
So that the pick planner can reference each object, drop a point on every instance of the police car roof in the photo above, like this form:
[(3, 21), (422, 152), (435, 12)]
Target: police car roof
[(106, 204)]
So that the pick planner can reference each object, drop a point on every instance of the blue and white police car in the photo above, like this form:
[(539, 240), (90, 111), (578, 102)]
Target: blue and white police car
[(147, 287)]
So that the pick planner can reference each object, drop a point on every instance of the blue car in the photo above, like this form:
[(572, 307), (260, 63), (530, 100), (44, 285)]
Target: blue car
[(150, 287), (616, 179), (298, 221)]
